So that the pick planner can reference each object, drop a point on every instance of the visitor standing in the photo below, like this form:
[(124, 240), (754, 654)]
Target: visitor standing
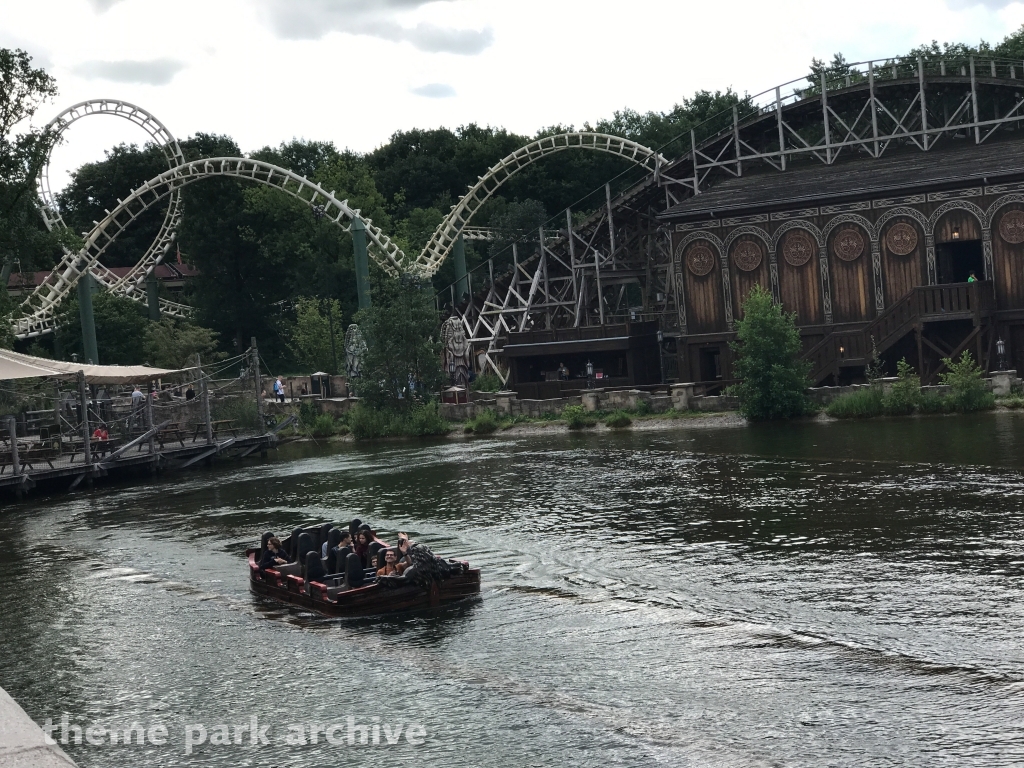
[(279, 390)]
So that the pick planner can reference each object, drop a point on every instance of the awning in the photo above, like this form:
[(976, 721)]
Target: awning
[(14, 365)]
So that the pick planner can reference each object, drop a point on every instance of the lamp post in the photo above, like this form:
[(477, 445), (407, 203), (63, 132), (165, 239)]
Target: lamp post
[(1001, 352), (590, 375)]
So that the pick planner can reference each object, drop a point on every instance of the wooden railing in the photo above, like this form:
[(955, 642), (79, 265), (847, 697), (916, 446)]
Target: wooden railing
[(925, 303)]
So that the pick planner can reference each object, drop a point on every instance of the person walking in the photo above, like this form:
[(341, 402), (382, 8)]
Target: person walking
[(279, 390)]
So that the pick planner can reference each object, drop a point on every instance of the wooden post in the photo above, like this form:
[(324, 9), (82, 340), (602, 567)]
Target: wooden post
[(924, 105), (696, 174), (874, 107), (597, 274), (572, 264), (974, 104), (736, 138), (611, 223), (204, 392), (12, 430), (782, 133), (547, 284), (56, 410), (149, 417), (259, 382), (824, 114), (83, 396)]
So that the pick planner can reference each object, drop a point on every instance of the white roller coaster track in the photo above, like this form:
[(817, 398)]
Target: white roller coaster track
[(41, 305), (444, 237), (43, 301), (130, 284)]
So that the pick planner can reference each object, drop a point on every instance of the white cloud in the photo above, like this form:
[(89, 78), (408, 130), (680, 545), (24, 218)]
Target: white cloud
[(104, 5), (154, 72), (434, 91), (312, 19)]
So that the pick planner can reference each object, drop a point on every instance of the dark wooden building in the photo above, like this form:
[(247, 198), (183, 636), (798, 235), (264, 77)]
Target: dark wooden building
[(864, 253)]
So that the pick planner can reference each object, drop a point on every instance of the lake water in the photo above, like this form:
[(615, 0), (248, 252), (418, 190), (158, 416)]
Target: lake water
[(795, 595)]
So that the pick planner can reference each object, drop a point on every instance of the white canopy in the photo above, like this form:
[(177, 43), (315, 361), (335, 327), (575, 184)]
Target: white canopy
[(14, 365)]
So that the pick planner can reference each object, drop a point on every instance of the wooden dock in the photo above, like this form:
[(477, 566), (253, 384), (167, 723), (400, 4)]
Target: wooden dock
[(68, 472)]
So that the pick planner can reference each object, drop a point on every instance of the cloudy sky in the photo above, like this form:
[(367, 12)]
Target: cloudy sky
[(355, 71)]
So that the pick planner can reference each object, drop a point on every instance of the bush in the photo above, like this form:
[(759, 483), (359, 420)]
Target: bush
[(905, 393), (643, 408), (968, 389), (308, 413), (861, 404), (774, 379), (487, 382), (483, 423), (929, 402), (618, 420), (368, 423), (241, 410), (1013, 402), (578, 417), (322, 426)]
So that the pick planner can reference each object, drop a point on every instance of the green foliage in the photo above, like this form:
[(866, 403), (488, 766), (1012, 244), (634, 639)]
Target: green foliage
[(23, 90), (421, 420), (860, 404), (905, 393), (323, 425), (578, 417), (931, 402), (318, 336), (402, 364), (121, 327), (774, 379), (487, 382), (308, 413), (618, 420), (968, 389), (484, 423), (1013, 402), (242, 410), (874, 370), (173, 344)]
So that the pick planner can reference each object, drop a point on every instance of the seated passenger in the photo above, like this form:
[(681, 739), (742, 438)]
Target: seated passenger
[(403, 550), (337, 554), (273, 555), (391, 565), (362, 545), (333, 536), (100, 433)]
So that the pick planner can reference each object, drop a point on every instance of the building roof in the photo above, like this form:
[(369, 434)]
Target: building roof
[(951, 164)]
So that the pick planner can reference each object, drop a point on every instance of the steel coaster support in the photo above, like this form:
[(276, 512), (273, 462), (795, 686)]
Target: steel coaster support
[(362, 263), (461, 275), (86, 288)]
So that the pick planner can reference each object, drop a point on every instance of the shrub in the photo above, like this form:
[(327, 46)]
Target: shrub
[(643, 408), (486, 382), (368, 423), (930, 402), (483, 423), (425, 420), (308, 413), (577, 417), (242, 410), (618, 420), (322, 426), (905, 393), (968, 390), (1013, 402), (860, 404), (774, 379)]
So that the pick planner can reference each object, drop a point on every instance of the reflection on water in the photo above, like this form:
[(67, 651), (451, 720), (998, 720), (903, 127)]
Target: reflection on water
[(843, 594)]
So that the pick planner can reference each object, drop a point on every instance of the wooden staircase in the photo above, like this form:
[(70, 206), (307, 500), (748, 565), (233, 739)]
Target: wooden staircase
[(922, 307)]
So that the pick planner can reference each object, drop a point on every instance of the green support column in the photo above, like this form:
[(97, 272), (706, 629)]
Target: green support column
[(362, 258), (153, 297), (86, 288), (461, 276)]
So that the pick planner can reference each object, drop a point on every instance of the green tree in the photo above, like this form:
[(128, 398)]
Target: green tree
[(402, 332), (120, 329), (774, 379), (23, 90), (967, 388), (174, 344), (318, 337)]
